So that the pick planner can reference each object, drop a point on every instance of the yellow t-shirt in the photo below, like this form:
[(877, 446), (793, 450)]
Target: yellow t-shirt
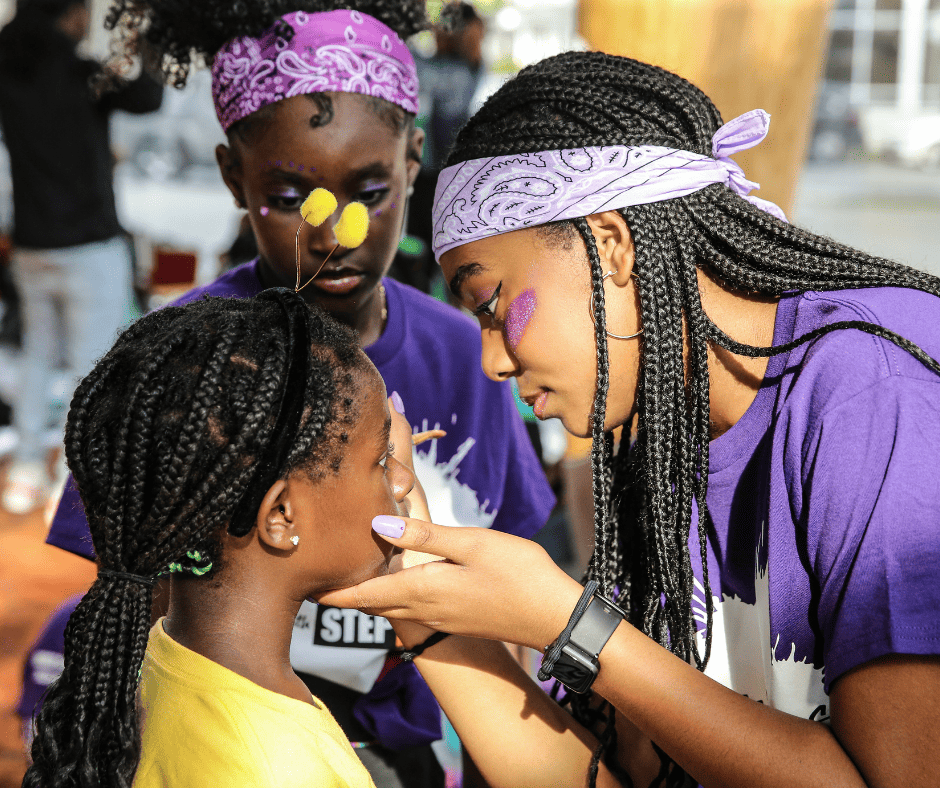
[(203, 725)]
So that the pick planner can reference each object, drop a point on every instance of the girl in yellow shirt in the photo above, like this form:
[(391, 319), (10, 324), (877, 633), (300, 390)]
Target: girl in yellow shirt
[(240, 446), (243, 447)]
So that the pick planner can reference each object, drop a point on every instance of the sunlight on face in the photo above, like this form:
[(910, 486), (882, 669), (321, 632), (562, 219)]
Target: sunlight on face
[(532, 297)]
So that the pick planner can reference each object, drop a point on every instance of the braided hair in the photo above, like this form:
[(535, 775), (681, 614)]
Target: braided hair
[(643, 495), (179, 35), (163, 438)]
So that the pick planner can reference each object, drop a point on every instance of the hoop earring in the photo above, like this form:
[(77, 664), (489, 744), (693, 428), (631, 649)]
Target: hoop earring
[(594, 319)]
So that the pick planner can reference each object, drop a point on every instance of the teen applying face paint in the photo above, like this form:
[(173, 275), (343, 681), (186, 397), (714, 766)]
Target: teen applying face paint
[(780, 394)]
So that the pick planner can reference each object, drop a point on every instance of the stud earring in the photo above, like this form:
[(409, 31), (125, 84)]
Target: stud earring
[(410, 191), (295, 540), (594, 318)]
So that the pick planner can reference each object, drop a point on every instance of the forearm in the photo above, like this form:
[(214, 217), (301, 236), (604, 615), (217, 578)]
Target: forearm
[(721, 738), (516, 734)]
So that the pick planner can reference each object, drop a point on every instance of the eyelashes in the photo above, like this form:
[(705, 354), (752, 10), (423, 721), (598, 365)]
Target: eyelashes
[(488, 307), (388, 453)]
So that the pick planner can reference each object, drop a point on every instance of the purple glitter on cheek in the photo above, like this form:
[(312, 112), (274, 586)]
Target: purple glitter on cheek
[(518, 316), (264, 210)]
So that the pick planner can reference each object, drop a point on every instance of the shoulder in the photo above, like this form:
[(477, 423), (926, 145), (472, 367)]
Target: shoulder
[(433, 337), (240, 282), (845, 364), (434, 319)]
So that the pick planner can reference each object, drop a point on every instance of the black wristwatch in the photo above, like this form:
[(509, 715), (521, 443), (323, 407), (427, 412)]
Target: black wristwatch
[(576, 665)]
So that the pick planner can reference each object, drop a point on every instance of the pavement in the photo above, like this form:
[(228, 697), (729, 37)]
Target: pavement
[(34, 579), (878, 207)]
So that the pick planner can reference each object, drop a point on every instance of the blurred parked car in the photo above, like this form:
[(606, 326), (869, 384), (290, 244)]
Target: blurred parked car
[(836, 126), (912, 138)]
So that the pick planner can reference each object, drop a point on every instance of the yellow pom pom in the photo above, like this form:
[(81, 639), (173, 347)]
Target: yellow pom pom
[(318, 206), (353, 225)]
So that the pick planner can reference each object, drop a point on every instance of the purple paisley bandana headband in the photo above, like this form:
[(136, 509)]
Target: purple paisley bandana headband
[(337, 51), (484, 197)]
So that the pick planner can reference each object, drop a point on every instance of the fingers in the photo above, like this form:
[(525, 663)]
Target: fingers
[(410, 558), (364, 596), (442, 541), (388, 596)]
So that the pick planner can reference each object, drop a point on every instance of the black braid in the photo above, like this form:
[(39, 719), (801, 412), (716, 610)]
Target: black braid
[(162, 439), (581, 99)]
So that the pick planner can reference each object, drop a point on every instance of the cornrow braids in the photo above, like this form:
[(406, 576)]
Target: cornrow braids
[(163, 438), (643, 495)]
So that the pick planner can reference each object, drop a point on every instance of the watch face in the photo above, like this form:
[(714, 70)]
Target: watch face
[(575, 670)]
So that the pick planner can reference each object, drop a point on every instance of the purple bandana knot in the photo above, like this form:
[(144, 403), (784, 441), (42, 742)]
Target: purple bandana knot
[(336, 51), (484, 197)]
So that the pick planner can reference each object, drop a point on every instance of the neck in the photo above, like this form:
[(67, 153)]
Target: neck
[(735, 380), (243, 626)]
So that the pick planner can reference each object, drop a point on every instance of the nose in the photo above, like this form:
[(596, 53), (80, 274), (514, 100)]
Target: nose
[(498, 363), (403, 479), (320, 239)]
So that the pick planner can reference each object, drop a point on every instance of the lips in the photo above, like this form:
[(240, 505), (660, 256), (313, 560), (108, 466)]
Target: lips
[(340, 281), (537, 403)]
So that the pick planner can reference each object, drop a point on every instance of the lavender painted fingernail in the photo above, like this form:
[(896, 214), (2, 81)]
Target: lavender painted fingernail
[(386, 525), (399, 405)]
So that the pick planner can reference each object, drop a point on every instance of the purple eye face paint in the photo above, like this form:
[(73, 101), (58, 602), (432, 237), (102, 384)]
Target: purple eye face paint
[(482, 294), (518, 316)]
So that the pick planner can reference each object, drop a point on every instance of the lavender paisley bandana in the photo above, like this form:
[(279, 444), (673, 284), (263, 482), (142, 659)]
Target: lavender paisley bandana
[(484, 197), (338, 51)]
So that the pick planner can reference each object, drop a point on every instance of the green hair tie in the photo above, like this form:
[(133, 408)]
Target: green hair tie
[(176, 567)]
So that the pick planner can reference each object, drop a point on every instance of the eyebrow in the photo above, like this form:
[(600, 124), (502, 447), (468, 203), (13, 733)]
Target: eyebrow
[(374, 170), (284, 175), (463, 273), (353, 178)]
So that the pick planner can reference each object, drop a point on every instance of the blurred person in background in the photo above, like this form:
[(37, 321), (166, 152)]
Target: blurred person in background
[(448, 80), (71, 261)]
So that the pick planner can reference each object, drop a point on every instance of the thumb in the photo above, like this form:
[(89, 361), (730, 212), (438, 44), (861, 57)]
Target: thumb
[(419, 536)]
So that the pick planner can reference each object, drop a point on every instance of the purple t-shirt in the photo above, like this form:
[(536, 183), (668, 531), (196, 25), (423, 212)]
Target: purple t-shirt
[(825, 505), (484, 473), (45, 661)]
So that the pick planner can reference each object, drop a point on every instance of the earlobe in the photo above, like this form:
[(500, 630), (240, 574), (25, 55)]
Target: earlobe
[(275, 521), (614, 245), (415, 151)]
